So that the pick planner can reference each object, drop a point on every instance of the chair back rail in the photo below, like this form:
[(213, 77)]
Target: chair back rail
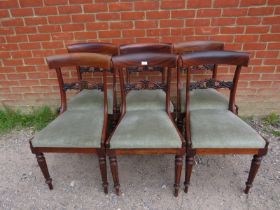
[(144, 62), (237, 59)]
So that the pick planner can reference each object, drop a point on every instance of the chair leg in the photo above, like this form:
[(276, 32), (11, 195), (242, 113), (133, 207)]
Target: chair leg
[(189, 165), (180, 123), (103, 170), (114, 170), (256, 162), (44, 168), (178, 171)]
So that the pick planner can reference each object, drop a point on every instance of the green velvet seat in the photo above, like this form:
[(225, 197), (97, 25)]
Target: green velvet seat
[(89, 100), (204, 99), (147, 130), (72, 129), (222, 129), (146, 100)]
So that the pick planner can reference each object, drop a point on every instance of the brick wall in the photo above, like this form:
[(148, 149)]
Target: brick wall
[(30, 30)]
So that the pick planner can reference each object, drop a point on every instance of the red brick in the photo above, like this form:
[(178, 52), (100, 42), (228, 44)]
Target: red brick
[(158, 32), (197, 22), (146, 24), (263, 69), (23, 69), (115, 7), (182, 31), (171, 23), (52, 45), (260, 11), (222, 38), (176, 4), (133, 33), (182, 13), (275, 29), (227, 3), (4, 14), (39, 37), (199, 4), (9, 4), (209, 13), (36, 75), (272, 62), (270, 37), (232, 30), (45, 11), (42, 53), (248, 21), (121, 25), (273, 46), (85, 35), (223, 21), (79, 1), (21, 12), (5, 55), (21, 54), (251, 3), (150, 5), (257, 29), (108, 16), (25, 30), (132, 15), (55, 2), (13, 22), (158, 15), (59, 19), (109, 34), (29, 46), (30, 3), (62, 36), (267, 54), (33, 61), (69, 9), (82, 18), (235, 12), (271, 77), (7, 47), (6, 31), (35, 21), (254, 46), (273, 2), (97, 26), (73, 27), (17, 76), (95, 8), (271, 20), (246, 38), (49, 28), (17, 38)]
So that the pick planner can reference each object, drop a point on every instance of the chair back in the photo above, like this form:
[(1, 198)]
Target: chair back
[(100, 61), (144, 63), (190, 62)]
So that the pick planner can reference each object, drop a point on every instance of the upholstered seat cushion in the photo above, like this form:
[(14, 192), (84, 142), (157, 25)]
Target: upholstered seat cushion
[(146, 100), (90, 100), (204, 99), (145, 129), (222, 129), (72, 129)]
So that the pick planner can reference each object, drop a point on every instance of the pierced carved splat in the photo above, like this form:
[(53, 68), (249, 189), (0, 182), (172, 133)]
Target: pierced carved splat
[(211, 83), (206, 67), (82, 85), (84, 69), (145, 84), (145, 68)]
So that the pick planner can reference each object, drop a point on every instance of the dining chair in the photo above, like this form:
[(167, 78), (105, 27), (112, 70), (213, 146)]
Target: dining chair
[(76, 131), (83, 99), (218, 131), (150, 99), (199, 99), (145, 130)]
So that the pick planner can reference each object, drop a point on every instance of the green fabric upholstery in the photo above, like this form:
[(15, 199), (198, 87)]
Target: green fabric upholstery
[(145, 129), (222, 129), (90, 100), (146, 100), (204, 99), (72, 129)]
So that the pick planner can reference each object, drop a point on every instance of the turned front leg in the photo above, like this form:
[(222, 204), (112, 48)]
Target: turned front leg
[(44, 168)]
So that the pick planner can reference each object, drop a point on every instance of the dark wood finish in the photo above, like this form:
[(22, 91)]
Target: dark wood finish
[(78, 59), (145, 48), (115, 175), (146, 62), (239, 59)]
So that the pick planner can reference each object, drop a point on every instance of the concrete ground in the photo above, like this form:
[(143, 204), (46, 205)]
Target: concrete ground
[(146, 181)]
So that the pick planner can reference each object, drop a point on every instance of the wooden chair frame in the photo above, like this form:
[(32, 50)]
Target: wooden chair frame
[(77, 59), (217, 57), (123, 63)]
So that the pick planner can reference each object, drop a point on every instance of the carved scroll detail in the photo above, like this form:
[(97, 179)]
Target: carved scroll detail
[(206, 67), (211, 83), (84, 69), (82, 85), (145, 84), (145, 68)]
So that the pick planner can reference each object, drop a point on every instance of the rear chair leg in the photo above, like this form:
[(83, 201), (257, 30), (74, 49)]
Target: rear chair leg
[(189, 165), (114, 170), (178, 171), (44, 168), (103, 170), (256, 162)]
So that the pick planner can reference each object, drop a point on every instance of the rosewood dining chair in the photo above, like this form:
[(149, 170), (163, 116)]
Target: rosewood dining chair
[(218, 131), (150, 99), (199, 99), (83, 100), (76, 131), (145, 130)]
